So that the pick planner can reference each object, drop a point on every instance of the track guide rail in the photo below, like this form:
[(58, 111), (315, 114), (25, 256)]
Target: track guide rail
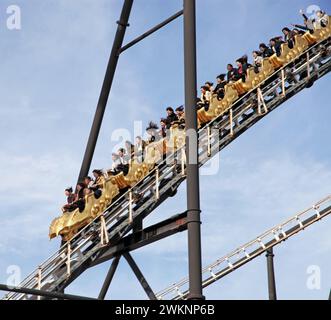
[(251, 250)]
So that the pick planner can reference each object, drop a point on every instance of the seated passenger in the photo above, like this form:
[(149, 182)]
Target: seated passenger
[(242, 65), (289, 37), (152, 131), (265, 50), (209, 85), (99, 179), (71, 197), (139, 148), (89, 183), (275, 45), (79, 202), (205, 98), (257, 56), (181, 118), (124, 161), (171, 117), (322, 20), (93, 186), (232, 75), (129, 149), (308, 23), (245, 61), (220, 87), (164, 126), (81, 190), (115, 164)]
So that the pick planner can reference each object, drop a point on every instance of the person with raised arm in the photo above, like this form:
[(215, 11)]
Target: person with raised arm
[(308, 23)]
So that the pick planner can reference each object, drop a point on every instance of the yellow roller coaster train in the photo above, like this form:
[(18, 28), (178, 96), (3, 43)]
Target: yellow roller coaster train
[(69, 223)]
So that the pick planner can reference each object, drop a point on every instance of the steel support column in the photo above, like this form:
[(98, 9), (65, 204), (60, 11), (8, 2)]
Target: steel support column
[(106, 87), (192, 168), (109, 278), (271, 275), (140, 276)]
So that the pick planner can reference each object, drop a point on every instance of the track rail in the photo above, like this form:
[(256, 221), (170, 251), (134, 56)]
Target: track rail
[(251, 250)]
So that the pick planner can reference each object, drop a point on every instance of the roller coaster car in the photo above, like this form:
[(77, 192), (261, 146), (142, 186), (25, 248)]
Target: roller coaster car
[(243, 87), (329, 28), (205, 116), (230, 96), (161, 146), (120, 181), (177, 138), (153, 154), (169, 145), (109, 191), (137, 171), (326, 32), (300, 44), (315, 37), (283, 59), (267, 69), (70, 222)]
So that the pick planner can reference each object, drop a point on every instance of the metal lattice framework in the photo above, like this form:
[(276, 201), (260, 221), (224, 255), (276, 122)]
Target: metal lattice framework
[(108, 236)]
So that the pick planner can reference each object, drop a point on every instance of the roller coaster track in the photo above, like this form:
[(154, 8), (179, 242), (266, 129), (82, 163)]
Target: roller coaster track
[(84, 249), (251, 250)]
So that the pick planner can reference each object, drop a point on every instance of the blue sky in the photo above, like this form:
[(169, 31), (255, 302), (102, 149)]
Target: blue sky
[(50, 80)]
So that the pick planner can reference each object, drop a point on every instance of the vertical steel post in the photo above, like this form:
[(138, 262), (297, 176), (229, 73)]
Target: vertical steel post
[(106, 87), (271, 275), (193, 196)]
